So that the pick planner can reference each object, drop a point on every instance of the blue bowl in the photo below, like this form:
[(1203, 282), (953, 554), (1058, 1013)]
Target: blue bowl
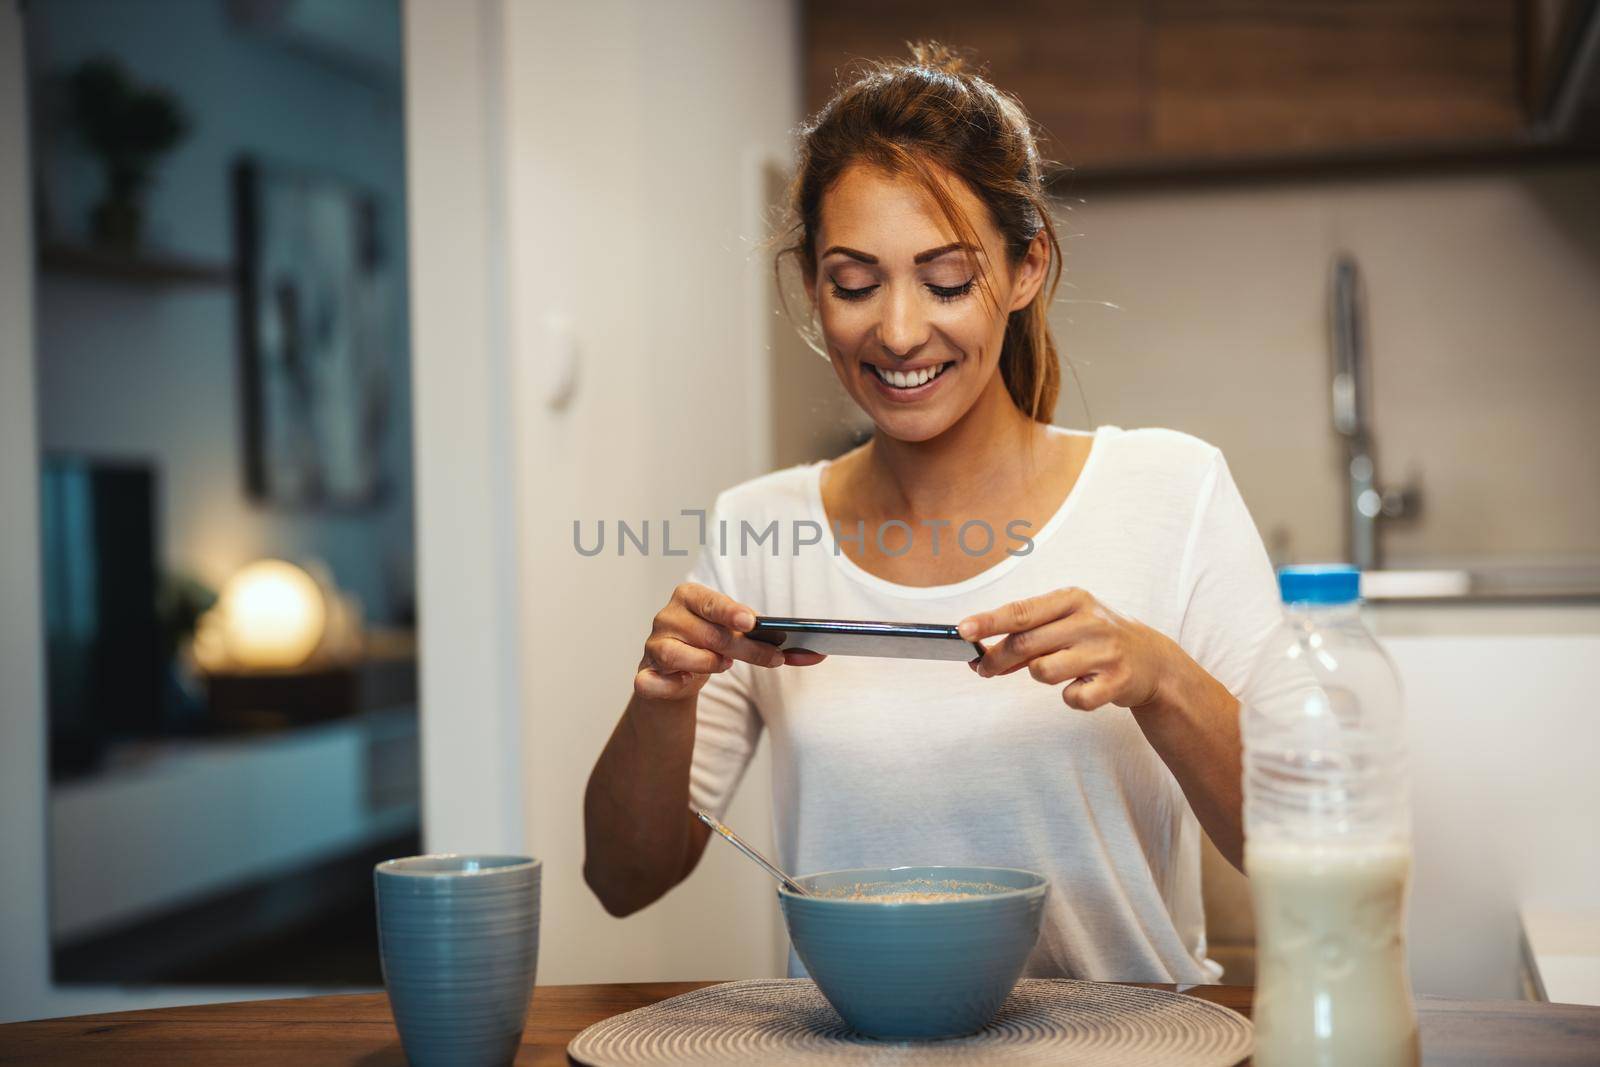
[(916, 970)]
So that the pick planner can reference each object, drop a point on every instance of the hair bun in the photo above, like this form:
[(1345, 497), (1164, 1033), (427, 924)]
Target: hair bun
[(936, 56)]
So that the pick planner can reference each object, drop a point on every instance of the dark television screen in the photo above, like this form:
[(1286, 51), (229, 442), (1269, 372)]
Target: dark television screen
[(103, 645)]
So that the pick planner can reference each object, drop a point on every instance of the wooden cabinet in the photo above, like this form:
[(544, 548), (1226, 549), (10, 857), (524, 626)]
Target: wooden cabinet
[(1163, 85)]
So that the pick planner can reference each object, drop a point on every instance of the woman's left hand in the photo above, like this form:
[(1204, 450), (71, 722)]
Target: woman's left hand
[(1069, 636)]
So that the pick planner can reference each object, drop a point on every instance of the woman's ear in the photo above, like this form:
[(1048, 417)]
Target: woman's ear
[(1031, 272)]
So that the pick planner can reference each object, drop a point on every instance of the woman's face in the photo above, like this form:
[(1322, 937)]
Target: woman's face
[(908, 328)]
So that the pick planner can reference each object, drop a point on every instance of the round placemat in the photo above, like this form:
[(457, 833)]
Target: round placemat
[(786, 1021)]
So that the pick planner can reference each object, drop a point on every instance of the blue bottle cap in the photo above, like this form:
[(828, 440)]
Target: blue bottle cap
[(1319, 583)]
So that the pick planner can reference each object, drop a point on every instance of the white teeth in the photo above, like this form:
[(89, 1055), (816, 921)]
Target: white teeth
[(903, 380)]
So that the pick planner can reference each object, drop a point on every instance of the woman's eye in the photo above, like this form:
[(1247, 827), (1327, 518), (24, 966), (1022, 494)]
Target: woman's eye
[(951, 292), (941, 292), (852, 294)]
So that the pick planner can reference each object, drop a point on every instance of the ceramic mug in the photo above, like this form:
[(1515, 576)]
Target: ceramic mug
[(459, 940)]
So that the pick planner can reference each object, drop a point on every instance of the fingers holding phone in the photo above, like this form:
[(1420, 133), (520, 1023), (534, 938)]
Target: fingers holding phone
[(699, 633), (858, 637)]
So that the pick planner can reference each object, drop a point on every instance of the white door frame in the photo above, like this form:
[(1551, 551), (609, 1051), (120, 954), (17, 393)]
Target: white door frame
[(24, 918), (467, 560)]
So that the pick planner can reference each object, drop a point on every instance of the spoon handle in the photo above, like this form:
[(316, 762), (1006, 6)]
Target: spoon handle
[(733, 839)]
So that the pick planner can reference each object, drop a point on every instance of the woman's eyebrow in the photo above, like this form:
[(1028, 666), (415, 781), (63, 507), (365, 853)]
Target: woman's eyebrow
[(942, 250), (919, 258)]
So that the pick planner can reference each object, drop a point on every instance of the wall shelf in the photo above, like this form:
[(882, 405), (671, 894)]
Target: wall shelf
[(151, 268)]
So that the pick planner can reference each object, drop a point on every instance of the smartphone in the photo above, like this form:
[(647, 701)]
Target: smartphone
[(889, 640)]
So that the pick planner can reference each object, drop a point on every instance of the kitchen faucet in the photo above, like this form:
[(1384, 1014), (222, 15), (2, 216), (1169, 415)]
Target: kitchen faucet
[(1367, 502)]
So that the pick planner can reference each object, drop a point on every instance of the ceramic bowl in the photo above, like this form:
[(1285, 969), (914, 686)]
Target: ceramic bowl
[(919, 970)]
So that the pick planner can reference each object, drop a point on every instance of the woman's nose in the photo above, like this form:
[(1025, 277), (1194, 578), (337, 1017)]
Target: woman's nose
[(904, 327)]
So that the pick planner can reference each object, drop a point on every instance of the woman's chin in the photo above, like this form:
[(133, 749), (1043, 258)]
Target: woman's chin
[(909, 425), (920, 413)]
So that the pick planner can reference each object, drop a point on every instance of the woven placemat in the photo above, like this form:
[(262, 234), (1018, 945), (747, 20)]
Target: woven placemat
[(786, 1021)]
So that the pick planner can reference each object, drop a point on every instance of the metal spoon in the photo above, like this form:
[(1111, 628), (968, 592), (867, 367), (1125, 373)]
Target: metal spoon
[(733, 839)]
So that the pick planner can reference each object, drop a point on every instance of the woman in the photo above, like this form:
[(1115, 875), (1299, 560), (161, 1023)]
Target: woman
[(1121, 608)]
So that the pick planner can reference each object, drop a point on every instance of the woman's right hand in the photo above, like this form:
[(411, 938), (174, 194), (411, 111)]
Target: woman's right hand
[(700, 633)]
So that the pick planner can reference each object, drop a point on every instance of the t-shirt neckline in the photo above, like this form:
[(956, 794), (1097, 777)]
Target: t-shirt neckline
[(984, 577)]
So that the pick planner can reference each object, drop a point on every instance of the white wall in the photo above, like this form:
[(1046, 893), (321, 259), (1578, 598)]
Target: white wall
[(635, 210), (599, 163), (1482, 320)]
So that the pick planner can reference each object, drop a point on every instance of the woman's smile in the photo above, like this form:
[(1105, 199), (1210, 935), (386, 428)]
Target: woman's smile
[(907, 384)]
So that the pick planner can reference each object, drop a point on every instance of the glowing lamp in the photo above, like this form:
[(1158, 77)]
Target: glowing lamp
[(273, 615)]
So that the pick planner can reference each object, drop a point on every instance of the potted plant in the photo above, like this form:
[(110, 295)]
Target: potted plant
[(129, 127)]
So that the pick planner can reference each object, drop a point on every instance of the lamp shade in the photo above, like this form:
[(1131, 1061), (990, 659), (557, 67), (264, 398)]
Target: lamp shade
[(273, 615)]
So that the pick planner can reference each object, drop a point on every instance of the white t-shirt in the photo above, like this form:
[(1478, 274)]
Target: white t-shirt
[(880, 762)]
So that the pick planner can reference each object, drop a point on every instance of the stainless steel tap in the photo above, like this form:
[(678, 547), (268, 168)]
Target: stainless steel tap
[(1367, 502)]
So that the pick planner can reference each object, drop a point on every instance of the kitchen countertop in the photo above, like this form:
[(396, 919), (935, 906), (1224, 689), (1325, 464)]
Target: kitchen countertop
[(357, 1030), (1561, 953), (1493, 584)]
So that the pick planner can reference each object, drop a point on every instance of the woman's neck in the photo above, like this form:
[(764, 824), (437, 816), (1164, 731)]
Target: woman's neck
[(988, 455)]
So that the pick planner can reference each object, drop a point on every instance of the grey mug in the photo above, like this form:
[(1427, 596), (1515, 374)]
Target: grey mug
[(458, 937)]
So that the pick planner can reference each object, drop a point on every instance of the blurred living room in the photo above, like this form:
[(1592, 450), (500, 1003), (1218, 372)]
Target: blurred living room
[(333, 332)]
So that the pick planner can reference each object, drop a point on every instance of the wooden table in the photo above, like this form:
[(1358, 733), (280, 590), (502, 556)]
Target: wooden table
[(356, 1031)]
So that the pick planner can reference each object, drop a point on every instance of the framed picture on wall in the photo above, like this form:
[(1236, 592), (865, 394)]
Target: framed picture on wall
[(315, 335)]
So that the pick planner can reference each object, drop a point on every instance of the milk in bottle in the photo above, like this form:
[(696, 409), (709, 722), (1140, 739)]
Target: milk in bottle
[(1327, 836)]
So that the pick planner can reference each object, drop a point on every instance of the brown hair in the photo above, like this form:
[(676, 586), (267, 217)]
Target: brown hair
[(908, 116)]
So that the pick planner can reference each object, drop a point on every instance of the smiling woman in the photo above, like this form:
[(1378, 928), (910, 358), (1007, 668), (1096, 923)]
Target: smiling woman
[(973, 161), (921, 231), (912, 329)]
